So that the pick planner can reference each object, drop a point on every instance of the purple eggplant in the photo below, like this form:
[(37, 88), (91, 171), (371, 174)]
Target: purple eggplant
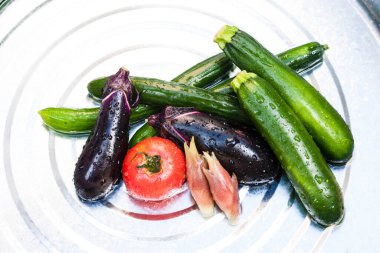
[(98, 169), (244, 153)]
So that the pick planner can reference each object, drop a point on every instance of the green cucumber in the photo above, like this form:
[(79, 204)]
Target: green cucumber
[(298, 154), (301, 59), (162, 93), (68, 120), (223, 87), (323, 122), (144, 132), (206, 72), (78, 121)]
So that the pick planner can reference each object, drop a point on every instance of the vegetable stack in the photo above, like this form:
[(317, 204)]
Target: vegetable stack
[(225, 116), (323, 122)]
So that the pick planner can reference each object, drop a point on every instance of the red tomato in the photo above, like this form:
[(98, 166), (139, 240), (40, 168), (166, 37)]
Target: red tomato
[(154, 169)]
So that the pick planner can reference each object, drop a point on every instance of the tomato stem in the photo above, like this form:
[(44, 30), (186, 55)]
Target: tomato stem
[(153, 163)]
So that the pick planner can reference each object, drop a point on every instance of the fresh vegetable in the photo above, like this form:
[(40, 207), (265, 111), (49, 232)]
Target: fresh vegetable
[(162, 93), (223, 87), (154, 169), (206, 72), (301, 59), (77, 121), (323, 122), (98, 169), (299, 156), (244, 153), (71, 121), (144, 132), (197, 181), (224, 189)]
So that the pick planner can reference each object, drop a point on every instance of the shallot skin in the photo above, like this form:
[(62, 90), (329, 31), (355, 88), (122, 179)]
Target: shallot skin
[(224, 188), (197, 181)]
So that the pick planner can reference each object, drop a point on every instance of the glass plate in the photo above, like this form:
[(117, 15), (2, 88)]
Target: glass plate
[(53, 50)]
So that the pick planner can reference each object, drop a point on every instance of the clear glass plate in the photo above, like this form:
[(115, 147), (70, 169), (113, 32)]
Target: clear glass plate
[(48, 58)]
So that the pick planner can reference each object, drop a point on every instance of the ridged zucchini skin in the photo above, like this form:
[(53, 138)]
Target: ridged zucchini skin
[(298, 154), (323, 122)]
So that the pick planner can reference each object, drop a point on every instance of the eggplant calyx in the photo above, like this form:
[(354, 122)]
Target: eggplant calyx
[(122, 82)]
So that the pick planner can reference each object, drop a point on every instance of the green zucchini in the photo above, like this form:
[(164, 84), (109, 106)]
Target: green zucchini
[(78, 121), (144, 132), (323, 122), (298, 154), (301, 59)]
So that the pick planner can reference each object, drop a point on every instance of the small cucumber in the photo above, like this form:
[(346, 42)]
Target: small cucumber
[(206, 72), (323, 122), (68, 120), (162, 93), (301, 59), (144, 132), (78, 121), (299, 156)]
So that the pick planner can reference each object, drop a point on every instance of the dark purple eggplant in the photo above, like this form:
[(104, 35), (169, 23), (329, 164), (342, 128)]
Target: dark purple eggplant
[(243, 152), (98, 169)]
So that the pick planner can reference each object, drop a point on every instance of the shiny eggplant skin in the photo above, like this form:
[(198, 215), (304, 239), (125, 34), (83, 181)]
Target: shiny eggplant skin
[(98, 169), (244, 153)]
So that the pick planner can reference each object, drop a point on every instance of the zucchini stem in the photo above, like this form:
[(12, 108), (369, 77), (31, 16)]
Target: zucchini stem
[(225, 35)]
